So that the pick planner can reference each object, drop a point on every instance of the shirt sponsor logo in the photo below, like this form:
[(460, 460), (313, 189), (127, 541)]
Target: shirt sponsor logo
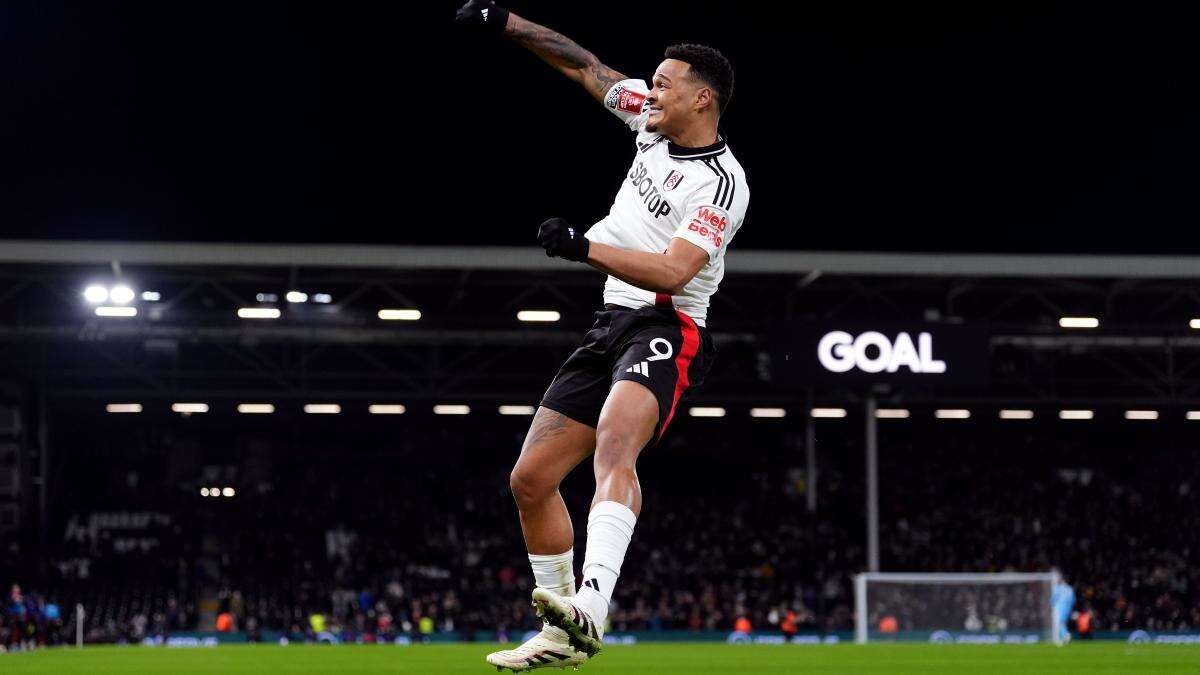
[(710, 224), (673, 180), (639, 177), (624, 99)]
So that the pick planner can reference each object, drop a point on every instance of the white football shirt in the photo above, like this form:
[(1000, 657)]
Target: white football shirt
[(697, 194)]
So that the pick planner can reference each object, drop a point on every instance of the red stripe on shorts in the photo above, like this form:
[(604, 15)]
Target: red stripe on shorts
[(683, 360)]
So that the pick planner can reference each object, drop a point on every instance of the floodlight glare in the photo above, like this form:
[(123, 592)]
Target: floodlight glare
[(1079, 322), (451, 410), (123, 408), (322, 408), (189, 408), (774, 413), (121, 295), (228, 492), (891, 414), (151, 296), (297, 296), (706, 412), (1016, 414), (256, 408), (400, 314), (95, 294), (386, 409), (952, 414), (829, 413), (516, 410), (258, 313), (538, 315), (119, 312)]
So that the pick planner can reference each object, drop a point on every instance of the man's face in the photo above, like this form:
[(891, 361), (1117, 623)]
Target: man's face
[(672, 98)]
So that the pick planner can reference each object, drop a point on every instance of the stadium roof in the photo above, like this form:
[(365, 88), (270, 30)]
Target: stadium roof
[(367, 256)]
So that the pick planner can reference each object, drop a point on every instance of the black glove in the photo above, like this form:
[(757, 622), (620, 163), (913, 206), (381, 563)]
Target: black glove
[(483, 13), (563, 240)]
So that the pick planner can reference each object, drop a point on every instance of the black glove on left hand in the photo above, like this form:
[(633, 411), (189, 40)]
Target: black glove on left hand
[(483, 13), (563, 240)]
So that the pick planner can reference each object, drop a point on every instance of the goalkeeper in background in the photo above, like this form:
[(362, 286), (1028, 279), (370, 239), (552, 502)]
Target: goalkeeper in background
[(1062, 600)]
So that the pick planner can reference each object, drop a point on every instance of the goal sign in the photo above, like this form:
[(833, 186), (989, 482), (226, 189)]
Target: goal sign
[(857, 353)]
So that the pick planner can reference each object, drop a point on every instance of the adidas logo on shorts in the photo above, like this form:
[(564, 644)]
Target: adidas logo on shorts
[(642, 368)]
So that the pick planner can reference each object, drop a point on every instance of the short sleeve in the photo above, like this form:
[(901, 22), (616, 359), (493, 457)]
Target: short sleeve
[(705, 225), (627, 100)]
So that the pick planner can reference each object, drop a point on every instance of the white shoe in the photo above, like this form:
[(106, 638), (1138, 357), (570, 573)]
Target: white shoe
[(582, 631), (547, 649)]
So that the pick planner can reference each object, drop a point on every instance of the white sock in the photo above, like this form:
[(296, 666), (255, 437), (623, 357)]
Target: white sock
[(555, 573), (610, 527)]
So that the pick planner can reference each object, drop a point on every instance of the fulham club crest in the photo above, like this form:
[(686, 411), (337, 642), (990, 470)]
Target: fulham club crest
[(673, 180)]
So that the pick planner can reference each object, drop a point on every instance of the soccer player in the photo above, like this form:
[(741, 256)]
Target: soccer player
[(1062, 600), (662, 245)]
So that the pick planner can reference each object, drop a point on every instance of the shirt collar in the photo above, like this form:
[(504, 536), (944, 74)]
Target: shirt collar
[(680, 152)]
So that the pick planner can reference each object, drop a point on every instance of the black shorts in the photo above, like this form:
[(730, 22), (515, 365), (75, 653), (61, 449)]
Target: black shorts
[(657, 346)]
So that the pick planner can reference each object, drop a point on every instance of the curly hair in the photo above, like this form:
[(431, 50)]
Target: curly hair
[(709, 66)]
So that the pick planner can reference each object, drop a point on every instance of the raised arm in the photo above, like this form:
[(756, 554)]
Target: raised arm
[(562, 53)]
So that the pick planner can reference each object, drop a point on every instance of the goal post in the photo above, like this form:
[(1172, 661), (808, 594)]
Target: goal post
[(985, 608)]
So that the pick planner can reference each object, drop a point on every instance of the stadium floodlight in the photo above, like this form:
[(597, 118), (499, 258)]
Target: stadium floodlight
[(266, 297), (400, 314), (1141, 414), (538, 315), (95, 294), (952, 414), (214, 491), (203, 492), (151, 296), (117, 312), (768, 413), (322, 298), (256, 408), (123, 408), (296, 296), (1193, 415), (122, 295), (1076, 414), (1079, 322), (443, 409), (517, 410), (258, 313), (829, 413), (322, 408), (386, 409), (189, 408), (892, 413), (1194, 323), (701, 411), (1016, 414), (228, 492)]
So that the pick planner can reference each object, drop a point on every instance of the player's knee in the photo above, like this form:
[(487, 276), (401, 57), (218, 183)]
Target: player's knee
[(527, 488), (616, 450)]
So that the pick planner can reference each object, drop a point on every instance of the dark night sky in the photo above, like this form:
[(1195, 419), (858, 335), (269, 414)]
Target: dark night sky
[(956, 127)]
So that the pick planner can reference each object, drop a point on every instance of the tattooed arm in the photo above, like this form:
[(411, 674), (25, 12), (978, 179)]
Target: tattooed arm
[(564, 55)]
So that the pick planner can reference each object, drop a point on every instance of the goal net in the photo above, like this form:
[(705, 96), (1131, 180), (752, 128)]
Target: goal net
[(954, 608)]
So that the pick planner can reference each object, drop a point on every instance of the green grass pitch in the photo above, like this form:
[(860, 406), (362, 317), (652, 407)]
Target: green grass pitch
[(685, 659)]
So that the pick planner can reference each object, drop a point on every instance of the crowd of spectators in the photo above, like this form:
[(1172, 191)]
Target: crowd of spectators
[(418, 537)]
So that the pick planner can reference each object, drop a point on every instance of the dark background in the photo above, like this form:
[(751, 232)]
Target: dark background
[(862, 126)]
